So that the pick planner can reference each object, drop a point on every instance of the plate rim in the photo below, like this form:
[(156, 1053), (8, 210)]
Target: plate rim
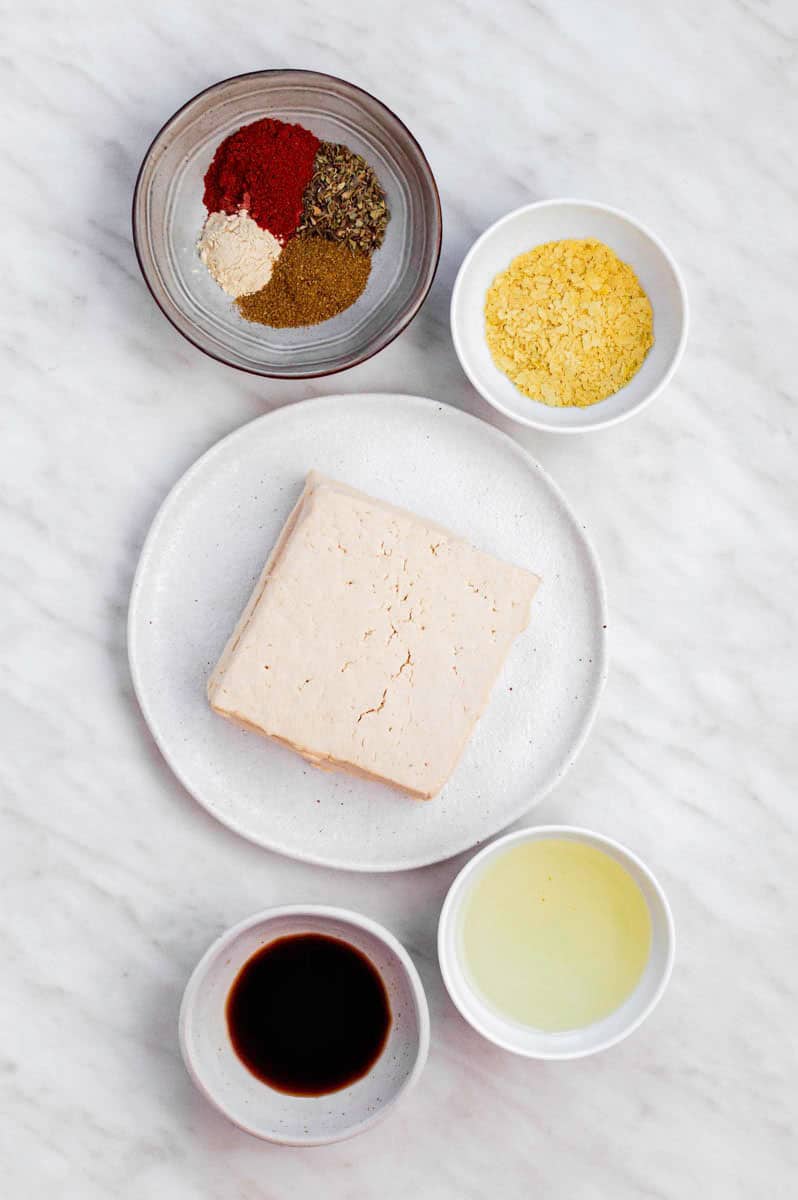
[(310, 405)]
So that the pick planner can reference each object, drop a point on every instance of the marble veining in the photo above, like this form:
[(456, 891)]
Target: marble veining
[(114, 881)]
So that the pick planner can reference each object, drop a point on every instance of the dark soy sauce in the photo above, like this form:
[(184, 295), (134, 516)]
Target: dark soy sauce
[(308, 1014)]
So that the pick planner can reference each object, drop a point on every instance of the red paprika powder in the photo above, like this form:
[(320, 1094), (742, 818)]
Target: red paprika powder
[(263, 167)]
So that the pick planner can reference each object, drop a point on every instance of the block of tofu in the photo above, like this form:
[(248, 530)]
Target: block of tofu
[(372, 640)]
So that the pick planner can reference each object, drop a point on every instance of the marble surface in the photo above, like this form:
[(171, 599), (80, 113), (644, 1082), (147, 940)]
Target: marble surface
[(114, 881)]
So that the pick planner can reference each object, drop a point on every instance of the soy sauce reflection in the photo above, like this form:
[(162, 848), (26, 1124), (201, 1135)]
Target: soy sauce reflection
[(308, 1014)]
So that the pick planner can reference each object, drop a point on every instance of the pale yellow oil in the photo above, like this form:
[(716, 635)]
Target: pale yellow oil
[(555, 934)]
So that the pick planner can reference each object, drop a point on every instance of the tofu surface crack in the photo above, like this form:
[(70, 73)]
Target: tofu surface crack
[(379, 707)]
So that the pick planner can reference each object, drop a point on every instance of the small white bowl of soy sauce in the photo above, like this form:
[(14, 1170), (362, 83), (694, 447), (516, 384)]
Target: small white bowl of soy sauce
[(305, 1025)]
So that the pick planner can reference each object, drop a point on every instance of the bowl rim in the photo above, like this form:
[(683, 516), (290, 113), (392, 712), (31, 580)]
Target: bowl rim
[(345, 916), (536, 833), (532, 422), (413, 309)]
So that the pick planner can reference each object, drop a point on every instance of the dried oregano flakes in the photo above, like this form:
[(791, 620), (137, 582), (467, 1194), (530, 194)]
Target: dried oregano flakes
[(568, 322), (344, 201)]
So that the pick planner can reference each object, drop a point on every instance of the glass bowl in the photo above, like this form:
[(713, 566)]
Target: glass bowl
[(168, 215)]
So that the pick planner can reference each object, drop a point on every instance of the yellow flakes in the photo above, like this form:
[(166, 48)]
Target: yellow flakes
[(568, 322)]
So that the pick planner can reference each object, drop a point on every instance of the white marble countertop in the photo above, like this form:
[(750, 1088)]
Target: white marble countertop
[(114, 880)]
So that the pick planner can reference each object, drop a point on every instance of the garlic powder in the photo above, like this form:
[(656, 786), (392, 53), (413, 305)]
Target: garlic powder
[(238, 253)]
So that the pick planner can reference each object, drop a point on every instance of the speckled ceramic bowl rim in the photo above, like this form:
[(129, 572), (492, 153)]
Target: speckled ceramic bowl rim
[(564, 202), (299, 912), (412, 310), (460, 885)]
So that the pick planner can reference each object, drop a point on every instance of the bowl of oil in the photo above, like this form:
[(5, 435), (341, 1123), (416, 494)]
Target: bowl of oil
[(305, 1025), (555, 942)]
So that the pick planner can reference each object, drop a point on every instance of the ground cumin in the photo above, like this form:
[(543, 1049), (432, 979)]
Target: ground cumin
[(568, 322), (313, 280)]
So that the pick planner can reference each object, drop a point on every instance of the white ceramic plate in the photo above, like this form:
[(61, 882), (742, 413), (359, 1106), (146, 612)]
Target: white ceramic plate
[(206, 548)]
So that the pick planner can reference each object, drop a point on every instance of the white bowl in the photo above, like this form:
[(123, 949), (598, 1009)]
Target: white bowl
[(302, 1120), (576, 1043), (552, 220)]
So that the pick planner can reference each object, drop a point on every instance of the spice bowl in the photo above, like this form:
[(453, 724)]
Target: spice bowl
[(566, 1042), (554, 220), (275, 1115), (168, 215)]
